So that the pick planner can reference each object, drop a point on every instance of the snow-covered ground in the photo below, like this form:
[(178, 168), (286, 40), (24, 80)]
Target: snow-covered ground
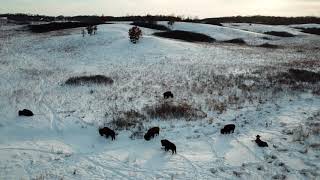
[(62, 141), (301, 38)]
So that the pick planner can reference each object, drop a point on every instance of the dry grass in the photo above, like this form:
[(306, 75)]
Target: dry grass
[(300, 133), (304, 75), (216, 106), (305, 64), (174, 110), (316, 91), (127, 120), (83, 80), (267, 45)]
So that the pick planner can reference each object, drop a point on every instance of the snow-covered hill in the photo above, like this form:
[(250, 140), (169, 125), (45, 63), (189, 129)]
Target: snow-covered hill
[(62, 141)]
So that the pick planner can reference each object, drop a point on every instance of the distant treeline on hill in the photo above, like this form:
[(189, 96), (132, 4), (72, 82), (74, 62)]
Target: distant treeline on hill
[(25, 18), (272, 20)]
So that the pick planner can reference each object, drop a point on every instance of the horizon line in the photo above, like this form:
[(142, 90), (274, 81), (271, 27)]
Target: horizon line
[(166, 15)]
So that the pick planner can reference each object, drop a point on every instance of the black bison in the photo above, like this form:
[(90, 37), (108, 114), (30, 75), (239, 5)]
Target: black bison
[(151, 133), (168, 146), (229, 128), (25, 112), (168, 94), (108, 132), (261, 143)]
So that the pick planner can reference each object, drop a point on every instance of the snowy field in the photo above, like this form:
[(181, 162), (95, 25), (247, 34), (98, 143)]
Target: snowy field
[(61, 141)]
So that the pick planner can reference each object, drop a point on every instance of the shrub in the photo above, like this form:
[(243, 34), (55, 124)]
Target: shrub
[(92, 29), (167, 110), (279, 34), (134, 34), (186, 36), (171, 23), (96, 79)]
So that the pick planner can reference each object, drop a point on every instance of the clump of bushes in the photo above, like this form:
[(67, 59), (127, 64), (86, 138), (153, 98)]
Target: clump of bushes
[(95, 79), (92, 29), (186, 36), (279, 34), (171, 109), (134, 34), (171, 23)]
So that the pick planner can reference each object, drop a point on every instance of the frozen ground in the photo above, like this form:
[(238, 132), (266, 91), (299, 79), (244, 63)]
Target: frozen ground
[(62, 142)]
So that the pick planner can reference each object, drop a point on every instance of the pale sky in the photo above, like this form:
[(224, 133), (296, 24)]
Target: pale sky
[(200, 8)]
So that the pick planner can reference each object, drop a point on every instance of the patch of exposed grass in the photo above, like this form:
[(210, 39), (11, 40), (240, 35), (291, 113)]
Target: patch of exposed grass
[(304, 75), (267, 45), (127, 119), (236, 41), (151, 26), (185, 36), (83, 80), (214, 23), (53, 26), (279, 34), (176, 110), (305, 64), (315, 31)]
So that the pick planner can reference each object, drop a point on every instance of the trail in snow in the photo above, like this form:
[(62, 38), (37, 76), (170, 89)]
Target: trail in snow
[(53, 114)]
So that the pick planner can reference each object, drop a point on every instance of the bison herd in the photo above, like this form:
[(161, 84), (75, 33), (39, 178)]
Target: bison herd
[(229, 128), (150, 134), (154, 131)]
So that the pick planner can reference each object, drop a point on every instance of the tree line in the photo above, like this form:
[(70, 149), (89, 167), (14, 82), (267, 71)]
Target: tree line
[(271, 20)]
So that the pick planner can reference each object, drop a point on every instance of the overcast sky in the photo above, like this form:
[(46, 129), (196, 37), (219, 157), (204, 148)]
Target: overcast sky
[(200, 8)]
